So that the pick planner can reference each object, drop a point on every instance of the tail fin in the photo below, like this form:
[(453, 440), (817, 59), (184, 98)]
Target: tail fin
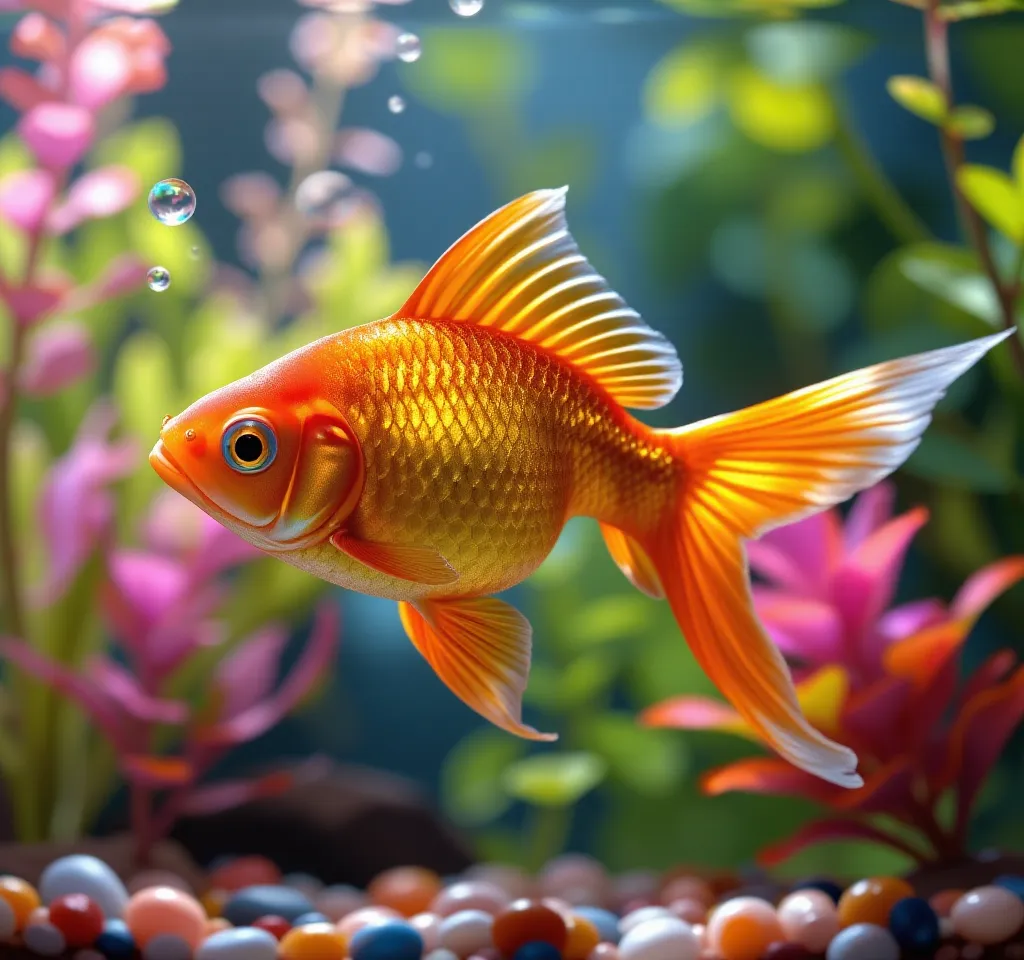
[(746, 472)]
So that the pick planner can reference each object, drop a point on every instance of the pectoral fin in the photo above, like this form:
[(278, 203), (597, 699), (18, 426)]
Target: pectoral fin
[(633, 561), (417, 564), (480, 648)]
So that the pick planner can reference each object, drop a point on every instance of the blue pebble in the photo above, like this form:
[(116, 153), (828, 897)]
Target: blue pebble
[(914, 924), (826, 886), (116, 941), (863, 941), (1012, 883), (606, 922), (389, 941), (248, 905), (312, 917), (538, 950)]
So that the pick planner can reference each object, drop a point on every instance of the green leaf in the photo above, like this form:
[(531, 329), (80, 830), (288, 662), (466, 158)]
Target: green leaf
[(950, 460), (996, 197), (1018, 164), (684, 86), (920, 96), (806, 51), (971, 9), (970, 122), (471, 786), (554, 779), (788, 118), (650, 761), (749, 8), (952, 274), (469, 71), (611, 618)]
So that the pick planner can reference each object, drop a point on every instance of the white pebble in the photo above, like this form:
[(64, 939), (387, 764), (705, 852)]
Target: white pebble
[(642, 915), (441, 954), (167, 946), (466, 932), (81, 873), (661, 938), (428, 926), (8, 922), (863, 940), (238, 943), (44, 939)]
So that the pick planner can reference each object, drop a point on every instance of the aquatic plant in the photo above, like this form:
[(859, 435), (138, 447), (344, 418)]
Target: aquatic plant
[(883, 679)]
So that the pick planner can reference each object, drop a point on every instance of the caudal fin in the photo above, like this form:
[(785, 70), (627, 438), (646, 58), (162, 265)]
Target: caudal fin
[(746, 472)]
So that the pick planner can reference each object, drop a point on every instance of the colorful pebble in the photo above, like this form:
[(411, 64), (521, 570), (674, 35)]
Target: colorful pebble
[(863, 940), (264, 900), (407, 890), (470, 895), (238, 943), (44, 939), (606, 922), (581, 938), (366, 917), (116, 941), (871, 900), (809, 918), (245, 872), (427, 925), (663, 938), (988, 915), (466, 932), (914, 924), (742, 928), (313, 916), (78, 918), (527, 921), (167, 946), (276, 926), (337, 902), (942, 902), (782, 950), (824, 884), (537, 950), (8, 921), (165, 910), (1010, 882), (389, 941), (641, 915), (21, 897), (318, 941), (81, 873)]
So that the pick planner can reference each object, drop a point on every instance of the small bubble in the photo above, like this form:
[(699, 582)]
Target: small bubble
[(323, 196), (424, 160), (466, 8), (172, 202), (194, 253), (158, 278), (396, 104), (190, 435), (408, 47)]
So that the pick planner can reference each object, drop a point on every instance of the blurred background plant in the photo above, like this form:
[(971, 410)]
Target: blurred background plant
[(782, 186)]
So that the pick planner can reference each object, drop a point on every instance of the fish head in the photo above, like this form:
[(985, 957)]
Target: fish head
[(280, 467)]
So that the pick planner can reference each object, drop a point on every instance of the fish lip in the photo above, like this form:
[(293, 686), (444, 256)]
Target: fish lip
[(167, 469)]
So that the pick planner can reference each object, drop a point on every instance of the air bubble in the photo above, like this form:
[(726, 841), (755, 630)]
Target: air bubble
[(408, 47), (158, 278), (172, 202), (396, 104), (466, 8)]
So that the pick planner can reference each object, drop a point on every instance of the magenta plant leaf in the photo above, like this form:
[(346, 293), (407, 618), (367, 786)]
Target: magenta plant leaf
[(59, 355), (31, 304), (157, 773), (119, 686), (824, 831), (247, 676), (259, 718), (95, 195), (801, 627), (227, 794), (25, 196), (869, 512), (22, 91), (58, 134)]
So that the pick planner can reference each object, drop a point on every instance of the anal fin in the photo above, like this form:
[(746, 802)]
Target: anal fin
[(633, 561), (416, 564), (480, 648)]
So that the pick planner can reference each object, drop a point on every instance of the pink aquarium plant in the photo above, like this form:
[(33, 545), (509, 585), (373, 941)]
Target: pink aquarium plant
[(882, 679)]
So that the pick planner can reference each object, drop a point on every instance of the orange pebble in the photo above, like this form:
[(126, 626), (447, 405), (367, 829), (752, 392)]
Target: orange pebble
[(409, 890), (942, 902), (687, 888), (581, 938), (165, 910), (742, 929), (214, 925), (245, 872), (872, 900), (213, 901), (21, 897), (314, 941)]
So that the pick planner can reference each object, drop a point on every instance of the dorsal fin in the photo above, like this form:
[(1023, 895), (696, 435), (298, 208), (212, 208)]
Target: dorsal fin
[(521, 272)]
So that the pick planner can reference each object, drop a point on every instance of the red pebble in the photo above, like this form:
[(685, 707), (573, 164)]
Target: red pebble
[(780, 950), (78, 918), (277, 927), (245, 872), (527, 921)]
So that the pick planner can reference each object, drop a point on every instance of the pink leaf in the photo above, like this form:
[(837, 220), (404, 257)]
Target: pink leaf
[(872, 717), (315, 659), (101, 710), (248, 675), (136, 7), (23, 91), (768, 775), (889, 790), (124, 275), (36, 37), (824, 831), (100, 71), (983, 587), (217, 797), (146, 587), (32, 304), (978, 737), (157, 773), (25, 197), (97, 194), (691, 713), (58, 134), (59, 354), (989, 673), (121, 687), (250, 196), (869, 511), (900, 622), (367, 151), (803, 628)]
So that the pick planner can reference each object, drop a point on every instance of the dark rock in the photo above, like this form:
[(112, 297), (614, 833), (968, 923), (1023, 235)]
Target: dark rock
[(345, 826), (29, 860), (933, 878), (248, 905)]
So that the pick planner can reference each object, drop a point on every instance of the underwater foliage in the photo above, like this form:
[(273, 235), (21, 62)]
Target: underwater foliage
[(885, 680), (121, 601)]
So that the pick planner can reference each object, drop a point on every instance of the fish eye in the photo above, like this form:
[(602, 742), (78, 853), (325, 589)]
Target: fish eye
[(249, 446)]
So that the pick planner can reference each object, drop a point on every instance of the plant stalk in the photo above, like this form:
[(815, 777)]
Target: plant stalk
[(936, 37)]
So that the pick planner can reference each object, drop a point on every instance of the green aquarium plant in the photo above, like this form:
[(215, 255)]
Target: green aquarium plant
[(120, 600)]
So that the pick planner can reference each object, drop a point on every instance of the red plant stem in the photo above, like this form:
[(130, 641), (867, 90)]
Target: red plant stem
[(936, 38)]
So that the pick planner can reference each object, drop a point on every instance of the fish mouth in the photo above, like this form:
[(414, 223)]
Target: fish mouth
[(167, 469)]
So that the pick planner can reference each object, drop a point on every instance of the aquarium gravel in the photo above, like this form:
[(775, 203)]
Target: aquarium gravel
[(573, 910)]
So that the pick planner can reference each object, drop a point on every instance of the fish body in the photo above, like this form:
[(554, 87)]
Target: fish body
[(434, 457)]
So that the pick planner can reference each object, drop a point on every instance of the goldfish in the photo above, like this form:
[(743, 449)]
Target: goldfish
[(434, 456)]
